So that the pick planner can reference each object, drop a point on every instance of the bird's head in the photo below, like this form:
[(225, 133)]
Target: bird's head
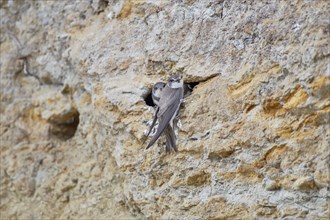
[(175, 81), (157, 89)]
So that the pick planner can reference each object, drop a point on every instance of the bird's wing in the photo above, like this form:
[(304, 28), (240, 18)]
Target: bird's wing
[(169, 97), (168, 106), (173, 138), (170, 139)]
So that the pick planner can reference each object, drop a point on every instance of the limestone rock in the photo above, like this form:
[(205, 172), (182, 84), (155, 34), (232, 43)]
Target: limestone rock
[(304, 183), (254, 141)]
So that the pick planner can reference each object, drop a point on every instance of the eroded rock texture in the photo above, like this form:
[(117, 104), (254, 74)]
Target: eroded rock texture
[(254, 141)]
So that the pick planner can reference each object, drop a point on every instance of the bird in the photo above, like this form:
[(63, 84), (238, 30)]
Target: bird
[(155, 94), (171, 97)]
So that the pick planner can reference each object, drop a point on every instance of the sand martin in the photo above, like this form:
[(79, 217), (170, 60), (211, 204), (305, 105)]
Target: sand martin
[(156, 92), (168, 106)]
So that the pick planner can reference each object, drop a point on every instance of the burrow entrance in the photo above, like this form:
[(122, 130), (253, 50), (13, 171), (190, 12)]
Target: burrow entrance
[(65, 126)]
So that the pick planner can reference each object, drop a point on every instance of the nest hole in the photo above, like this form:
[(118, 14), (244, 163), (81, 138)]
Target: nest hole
[(66, 127)]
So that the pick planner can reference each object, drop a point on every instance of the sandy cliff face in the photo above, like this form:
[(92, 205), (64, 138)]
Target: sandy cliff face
[(254, 140)]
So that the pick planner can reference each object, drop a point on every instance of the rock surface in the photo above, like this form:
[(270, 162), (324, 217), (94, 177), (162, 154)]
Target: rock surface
[(254, 141)]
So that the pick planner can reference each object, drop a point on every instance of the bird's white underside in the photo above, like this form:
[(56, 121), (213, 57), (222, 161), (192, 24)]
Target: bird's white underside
[(157, 93), (175, 85)]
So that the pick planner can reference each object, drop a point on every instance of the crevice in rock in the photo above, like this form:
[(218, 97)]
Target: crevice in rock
[(192, 85), (148, 99), (101, 6), (64, 127)]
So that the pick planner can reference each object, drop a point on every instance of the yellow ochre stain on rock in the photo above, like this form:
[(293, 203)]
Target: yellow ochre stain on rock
[(295, 98)]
